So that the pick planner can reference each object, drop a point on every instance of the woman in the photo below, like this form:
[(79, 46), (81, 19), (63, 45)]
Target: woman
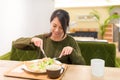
[(56, 43)]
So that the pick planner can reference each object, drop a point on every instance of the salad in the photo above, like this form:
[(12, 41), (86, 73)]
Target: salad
[(39, 65)]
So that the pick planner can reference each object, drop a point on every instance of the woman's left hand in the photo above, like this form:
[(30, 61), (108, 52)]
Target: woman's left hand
[(66, 51)]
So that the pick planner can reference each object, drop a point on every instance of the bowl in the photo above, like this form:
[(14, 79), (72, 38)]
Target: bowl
[(54, 71)]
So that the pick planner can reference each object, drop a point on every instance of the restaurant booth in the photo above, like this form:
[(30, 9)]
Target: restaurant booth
[(89, 50)]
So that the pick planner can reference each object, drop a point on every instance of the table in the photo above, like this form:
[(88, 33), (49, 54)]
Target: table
[(74, 72)]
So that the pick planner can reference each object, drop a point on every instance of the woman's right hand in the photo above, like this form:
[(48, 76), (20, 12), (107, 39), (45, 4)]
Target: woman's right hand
[(37, 42)]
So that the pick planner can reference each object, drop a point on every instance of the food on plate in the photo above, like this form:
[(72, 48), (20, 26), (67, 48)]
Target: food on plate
[(39, 65)]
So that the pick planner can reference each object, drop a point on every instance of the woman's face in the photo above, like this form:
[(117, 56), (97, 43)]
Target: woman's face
[(56, 29)]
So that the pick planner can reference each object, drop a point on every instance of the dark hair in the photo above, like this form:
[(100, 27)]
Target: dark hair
[(63, 17)]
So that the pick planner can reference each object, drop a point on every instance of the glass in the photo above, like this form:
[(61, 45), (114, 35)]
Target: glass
[(97, 67)]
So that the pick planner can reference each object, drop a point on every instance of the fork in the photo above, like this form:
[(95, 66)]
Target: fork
[(43, 52), (56, 58)]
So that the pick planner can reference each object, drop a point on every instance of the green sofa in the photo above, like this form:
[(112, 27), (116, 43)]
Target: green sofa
[(100, 50), (89, 50)]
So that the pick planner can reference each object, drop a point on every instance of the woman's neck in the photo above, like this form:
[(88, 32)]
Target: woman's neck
[(59, 38)]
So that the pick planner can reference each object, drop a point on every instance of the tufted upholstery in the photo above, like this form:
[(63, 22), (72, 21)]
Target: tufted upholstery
[(104, 51), (89, 50), (22, 55)]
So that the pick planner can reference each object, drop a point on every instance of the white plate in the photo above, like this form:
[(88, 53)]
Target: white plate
[(36, 71)]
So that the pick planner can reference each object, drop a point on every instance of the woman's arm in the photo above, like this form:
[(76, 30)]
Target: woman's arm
[(25, 43), (22, 43), (76, 56)]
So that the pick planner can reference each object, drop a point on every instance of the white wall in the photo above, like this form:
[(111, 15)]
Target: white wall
[(23, 18), (85, 3)]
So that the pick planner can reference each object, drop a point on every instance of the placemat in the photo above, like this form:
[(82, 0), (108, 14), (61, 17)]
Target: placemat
[(17, 71)]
